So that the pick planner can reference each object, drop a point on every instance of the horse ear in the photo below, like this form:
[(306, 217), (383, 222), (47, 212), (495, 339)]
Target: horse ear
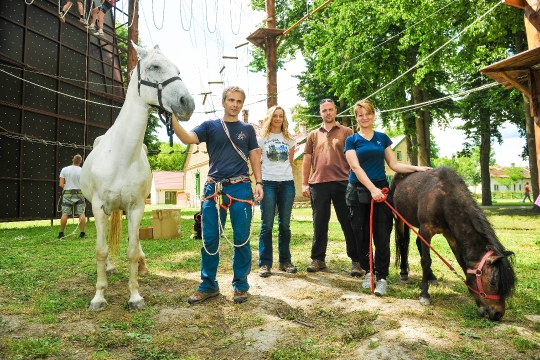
[(157, 47), (493, 259), (141, 53)]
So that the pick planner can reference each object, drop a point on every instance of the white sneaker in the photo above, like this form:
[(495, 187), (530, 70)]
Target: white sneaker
[(99, 33), (91, 27), (380, 287), (366, 284)]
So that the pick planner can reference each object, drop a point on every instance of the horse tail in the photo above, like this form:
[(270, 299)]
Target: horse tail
[(402, 238), (115, 231)]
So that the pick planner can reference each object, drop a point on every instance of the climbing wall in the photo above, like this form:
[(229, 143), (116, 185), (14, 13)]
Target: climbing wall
[(60, 88)]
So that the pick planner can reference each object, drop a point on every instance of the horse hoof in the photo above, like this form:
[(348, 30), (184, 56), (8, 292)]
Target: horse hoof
[(433, 282), (424, 301), (404, 277), (136, 305), (112, 271), (143, 271), (96, 306)]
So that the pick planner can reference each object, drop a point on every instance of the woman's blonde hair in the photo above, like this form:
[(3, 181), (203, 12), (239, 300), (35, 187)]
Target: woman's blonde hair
[(267, 123), (364, 104)]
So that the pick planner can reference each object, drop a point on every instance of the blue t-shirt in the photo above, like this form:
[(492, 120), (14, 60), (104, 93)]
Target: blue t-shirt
[(225, 162), (370, 154)]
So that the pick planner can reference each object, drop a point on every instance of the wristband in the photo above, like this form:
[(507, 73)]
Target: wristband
[(259, 183)]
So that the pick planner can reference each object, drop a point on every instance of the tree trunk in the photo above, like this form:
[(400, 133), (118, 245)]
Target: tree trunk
[(485, 149), (345, 121), (531, 147), (427, 126), (423, 157), (410, 138)]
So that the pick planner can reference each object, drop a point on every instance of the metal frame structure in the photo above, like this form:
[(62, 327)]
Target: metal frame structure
[(60, 88)]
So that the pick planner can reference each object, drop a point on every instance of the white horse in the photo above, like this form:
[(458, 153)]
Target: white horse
[(116, 175)]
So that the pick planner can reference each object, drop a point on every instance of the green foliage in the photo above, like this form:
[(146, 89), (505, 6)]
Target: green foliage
[(35, 348), (169, 158), (514, 175), (465, 165)]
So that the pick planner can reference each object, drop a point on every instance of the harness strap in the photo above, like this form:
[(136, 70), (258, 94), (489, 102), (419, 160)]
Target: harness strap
[(478, 273)]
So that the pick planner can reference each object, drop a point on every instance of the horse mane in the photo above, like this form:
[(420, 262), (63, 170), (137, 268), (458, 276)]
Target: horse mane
[(469, 212)]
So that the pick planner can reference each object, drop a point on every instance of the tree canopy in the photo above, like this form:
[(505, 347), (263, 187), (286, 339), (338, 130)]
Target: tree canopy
[(405, 53)]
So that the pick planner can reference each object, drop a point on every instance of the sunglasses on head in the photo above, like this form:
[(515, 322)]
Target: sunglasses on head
[(326, 100)]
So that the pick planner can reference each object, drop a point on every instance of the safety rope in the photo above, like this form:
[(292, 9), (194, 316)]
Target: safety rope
[(217, 198)]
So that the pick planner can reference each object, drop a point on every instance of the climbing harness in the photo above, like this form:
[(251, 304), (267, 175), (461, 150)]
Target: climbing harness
[(217, 198), (167, 121), (477, 272)]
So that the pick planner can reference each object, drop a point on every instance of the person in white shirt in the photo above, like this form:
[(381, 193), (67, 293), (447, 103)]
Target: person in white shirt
[(72, 198), (277, 152)]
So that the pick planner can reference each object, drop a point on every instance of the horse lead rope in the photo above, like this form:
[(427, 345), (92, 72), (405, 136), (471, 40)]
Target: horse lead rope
[(477, 271)]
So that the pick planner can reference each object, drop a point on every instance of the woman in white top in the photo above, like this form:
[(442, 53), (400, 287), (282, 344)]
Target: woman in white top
[(277, 147)]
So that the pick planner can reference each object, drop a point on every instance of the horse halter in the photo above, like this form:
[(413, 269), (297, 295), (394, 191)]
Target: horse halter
[(161, 109), (478, 273), (158, 86)]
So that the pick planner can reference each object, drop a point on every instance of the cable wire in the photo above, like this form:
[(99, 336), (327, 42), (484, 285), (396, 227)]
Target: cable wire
[(430, 55)]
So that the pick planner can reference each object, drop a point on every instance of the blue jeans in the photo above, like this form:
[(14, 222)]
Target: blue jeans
[(280, 193), (241, 214)]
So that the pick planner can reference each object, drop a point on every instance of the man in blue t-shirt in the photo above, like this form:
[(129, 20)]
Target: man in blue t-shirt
[(230, 143)]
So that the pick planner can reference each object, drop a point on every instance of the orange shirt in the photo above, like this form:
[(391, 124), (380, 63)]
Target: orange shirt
[(328, 161)]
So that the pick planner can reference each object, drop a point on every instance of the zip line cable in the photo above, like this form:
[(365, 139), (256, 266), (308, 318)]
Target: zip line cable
[(401, 32), (430, 55), (427, 103), (147, 27), (58, 92)]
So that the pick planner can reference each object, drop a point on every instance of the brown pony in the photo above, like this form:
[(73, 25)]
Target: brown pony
[(439, 202)]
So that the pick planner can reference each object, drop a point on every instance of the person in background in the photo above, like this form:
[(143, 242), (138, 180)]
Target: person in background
[(277, 153), (99, 13), (325, 161), (527, 193), (230, 144), (72, 198), (366, 151), (66, 7)]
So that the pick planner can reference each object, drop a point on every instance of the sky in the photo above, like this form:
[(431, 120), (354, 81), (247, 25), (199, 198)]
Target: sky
[(196, 34)]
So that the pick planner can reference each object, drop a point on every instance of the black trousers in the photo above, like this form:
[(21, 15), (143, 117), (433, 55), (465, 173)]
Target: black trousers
[(321, 196), (382, 227)]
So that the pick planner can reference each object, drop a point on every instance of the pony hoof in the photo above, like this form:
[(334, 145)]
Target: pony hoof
[(96, 306), (136, 305), (424, 301), (143, 271), (404, 277), (112, 271), (433, 282)]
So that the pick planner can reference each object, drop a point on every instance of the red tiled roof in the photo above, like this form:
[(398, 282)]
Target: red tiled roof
[(173, 180), (499, 172)]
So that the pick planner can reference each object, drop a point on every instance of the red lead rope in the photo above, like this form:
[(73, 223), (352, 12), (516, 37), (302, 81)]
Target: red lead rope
[(477, 271)]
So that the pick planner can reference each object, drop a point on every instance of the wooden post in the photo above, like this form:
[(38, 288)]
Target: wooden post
[(271, 56), (532, 27), (133, 34)]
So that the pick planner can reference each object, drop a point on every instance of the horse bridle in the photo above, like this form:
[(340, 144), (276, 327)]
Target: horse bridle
[(478, 273), (160, 108)]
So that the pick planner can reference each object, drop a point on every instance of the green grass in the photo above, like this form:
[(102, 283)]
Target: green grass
[(46, 282)]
